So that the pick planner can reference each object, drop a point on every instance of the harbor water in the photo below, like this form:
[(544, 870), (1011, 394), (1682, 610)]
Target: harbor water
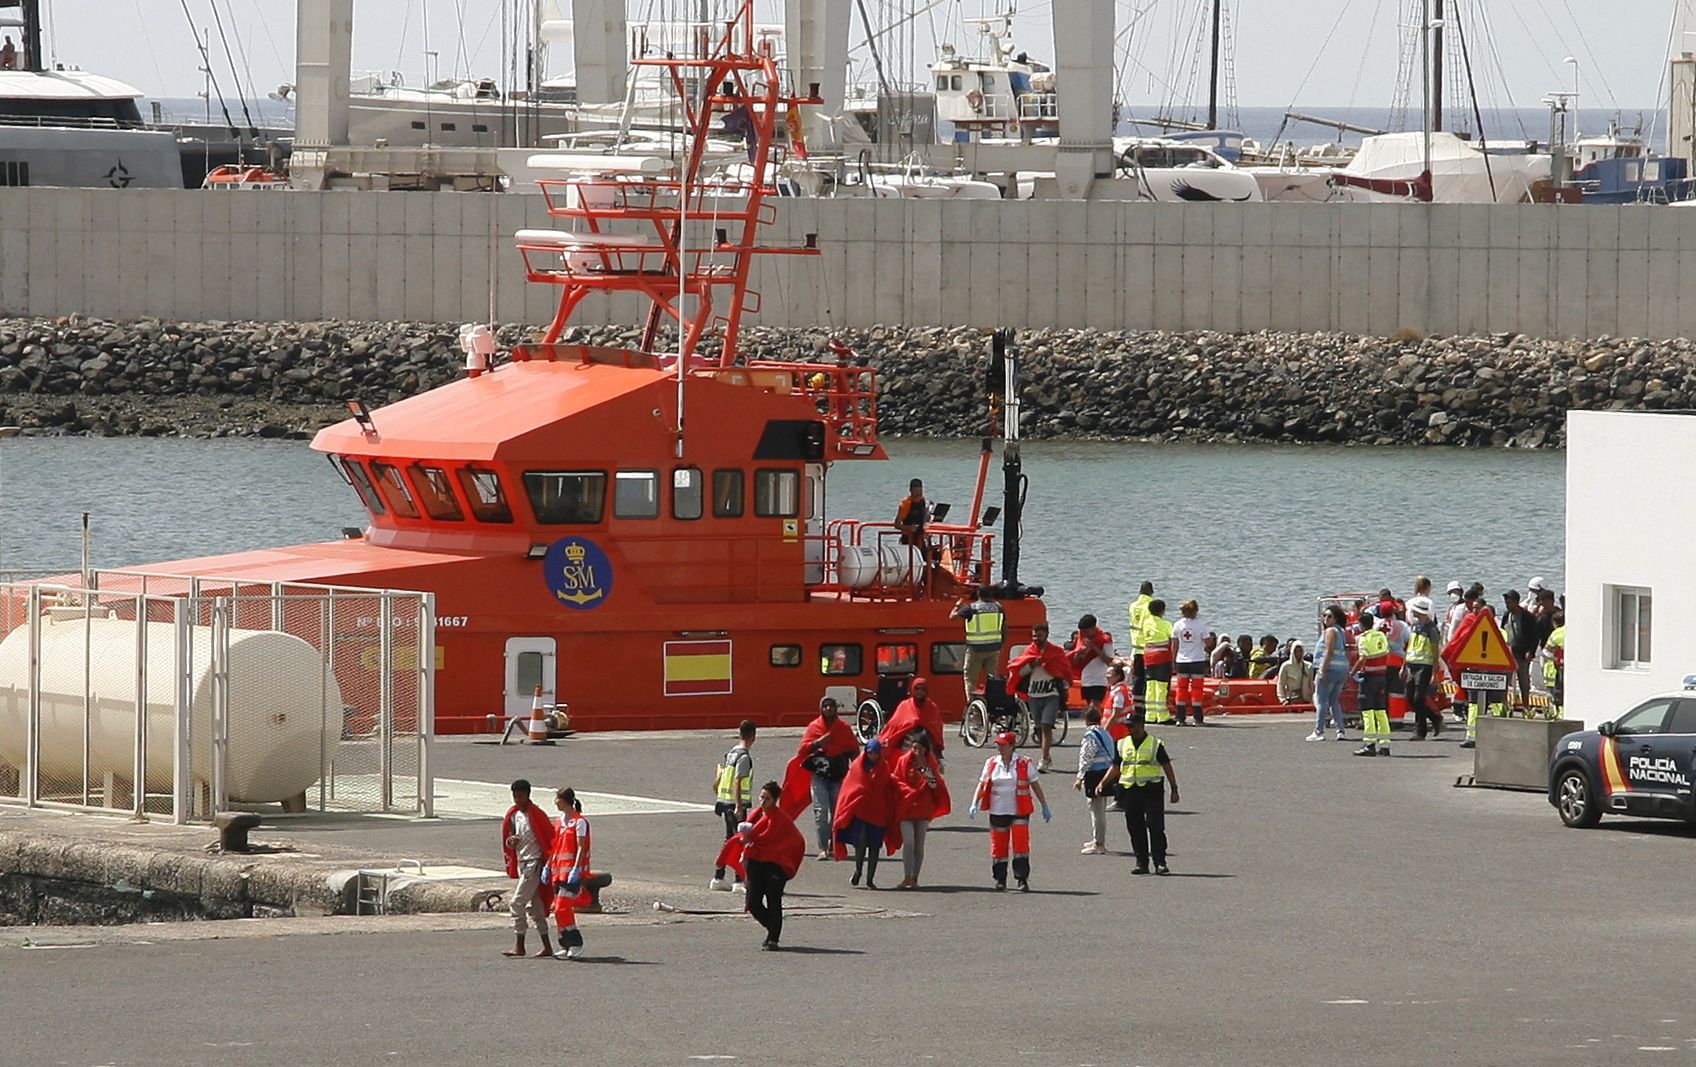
[(1254, 532)]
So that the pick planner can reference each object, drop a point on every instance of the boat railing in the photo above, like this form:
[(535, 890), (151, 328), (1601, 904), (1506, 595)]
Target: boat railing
[(1039, 107), (844, 396), (878, 560), (79, 122)]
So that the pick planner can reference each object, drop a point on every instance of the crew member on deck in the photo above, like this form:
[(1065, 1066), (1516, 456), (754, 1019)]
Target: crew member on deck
[(986, 629), (913, 514)]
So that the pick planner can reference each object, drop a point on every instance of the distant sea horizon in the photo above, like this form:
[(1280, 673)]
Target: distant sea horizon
[(1260, 122)]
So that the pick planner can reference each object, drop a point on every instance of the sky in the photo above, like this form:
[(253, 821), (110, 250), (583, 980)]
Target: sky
[(1308, 53)]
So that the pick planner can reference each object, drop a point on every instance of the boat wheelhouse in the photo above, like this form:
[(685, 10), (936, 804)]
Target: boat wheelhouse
[(644, 534)]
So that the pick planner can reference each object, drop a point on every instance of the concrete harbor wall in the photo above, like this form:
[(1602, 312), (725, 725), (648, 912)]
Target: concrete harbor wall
[(1362, 269)]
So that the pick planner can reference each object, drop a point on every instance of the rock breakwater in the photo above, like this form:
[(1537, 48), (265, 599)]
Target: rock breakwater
[(78, 375)]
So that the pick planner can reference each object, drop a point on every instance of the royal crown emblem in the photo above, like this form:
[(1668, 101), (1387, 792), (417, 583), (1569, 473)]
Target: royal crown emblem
[(575, 552)]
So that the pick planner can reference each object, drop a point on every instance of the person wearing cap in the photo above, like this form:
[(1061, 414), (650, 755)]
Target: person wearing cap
[(1454, 613), (913, 514), (1005, 789), (1421, 667), (1140, 768), (827, 747), (1372, 660)]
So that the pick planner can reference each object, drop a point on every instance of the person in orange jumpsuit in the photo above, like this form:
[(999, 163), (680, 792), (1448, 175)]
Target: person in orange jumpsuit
[(568, 869)]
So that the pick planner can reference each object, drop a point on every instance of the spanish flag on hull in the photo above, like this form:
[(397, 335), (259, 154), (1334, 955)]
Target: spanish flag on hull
[(697, 668)]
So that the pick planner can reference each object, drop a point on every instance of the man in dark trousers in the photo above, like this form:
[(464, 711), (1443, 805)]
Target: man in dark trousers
[(1142, 768), (1519, 628)]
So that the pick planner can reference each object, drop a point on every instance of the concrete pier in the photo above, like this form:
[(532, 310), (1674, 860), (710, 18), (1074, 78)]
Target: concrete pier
[(1356, 268)]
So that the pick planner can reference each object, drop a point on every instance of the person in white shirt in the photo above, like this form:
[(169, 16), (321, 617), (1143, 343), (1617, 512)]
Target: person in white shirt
[(1004, 790), (1187, 689), (1091, 654)]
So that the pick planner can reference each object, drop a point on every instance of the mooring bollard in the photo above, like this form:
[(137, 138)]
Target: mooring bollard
[(233, 828)]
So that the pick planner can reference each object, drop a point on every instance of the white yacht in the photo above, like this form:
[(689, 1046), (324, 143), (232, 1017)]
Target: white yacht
[(998, 94)]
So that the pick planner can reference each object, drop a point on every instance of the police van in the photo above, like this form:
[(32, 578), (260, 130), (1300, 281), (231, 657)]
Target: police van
[(1640, 764)]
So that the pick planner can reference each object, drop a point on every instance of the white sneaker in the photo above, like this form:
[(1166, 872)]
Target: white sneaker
[(562, 953), (574, 953), (719, 885), (1316, 736), (738, 888)]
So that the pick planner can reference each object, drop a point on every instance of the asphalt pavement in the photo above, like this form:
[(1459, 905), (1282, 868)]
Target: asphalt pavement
[(1323, 909)]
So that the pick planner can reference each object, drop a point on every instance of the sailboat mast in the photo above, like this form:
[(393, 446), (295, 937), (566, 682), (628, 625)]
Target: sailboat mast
[(1436, 64), (1213, 74)]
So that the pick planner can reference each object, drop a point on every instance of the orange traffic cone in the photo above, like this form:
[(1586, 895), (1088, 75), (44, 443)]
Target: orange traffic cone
[(538, 721)]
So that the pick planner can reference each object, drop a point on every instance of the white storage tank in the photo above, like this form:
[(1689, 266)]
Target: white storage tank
[(281, 693)]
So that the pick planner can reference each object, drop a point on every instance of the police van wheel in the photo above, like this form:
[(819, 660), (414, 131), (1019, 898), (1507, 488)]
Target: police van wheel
[(868, 720), (1576, 800), (974, 724)]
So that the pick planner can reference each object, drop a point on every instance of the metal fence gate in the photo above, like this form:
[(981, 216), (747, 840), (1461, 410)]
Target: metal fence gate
[(183, 696)]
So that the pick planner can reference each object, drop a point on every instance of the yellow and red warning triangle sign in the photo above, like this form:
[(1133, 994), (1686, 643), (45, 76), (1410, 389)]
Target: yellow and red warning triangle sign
[(1478, 645)]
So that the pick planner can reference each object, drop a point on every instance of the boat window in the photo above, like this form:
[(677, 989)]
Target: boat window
[(483, 490), (559, 497), (354, 471), (14, 173), (394, 490), (529, 672), (948, 657), (727, 494), (449, 127), (840, 659), (955, 83), (942, 83), (686, 493), (636, 495), (435, 492), (777, 493), (786, 655), (900, 658), (419, 126)]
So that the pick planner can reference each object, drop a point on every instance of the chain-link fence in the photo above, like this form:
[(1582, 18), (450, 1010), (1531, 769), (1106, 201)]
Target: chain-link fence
[(213, 693)]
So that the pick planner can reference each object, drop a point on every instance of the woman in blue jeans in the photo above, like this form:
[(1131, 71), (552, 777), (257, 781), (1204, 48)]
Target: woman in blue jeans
[(1331, 667)]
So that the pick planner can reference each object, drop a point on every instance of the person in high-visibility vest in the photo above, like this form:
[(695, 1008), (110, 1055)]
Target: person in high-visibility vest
[(1004, 790), (1372, 660), (1421, 667), (733, 792), (1139, 612), (1140, 767), (986, 631), (567, 870), (1119, 705), (1554, 666), (1158, 648)]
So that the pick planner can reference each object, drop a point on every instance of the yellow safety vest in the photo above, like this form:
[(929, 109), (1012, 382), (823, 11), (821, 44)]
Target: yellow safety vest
[(1421, 650), (1137, 766), (1374, 651), (1553, 648), (727, 778), (1139, 612), (985, 626), (1156, 632)]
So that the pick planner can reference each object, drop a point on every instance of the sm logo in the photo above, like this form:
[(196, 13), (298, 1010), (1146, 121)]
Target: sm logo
[(578, 572)]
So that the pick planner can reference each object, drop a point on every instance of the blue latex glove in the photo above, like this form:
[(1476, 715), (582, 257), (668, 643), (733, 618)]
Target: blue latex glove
[(972, 812), (1047, 816), (547, 875)]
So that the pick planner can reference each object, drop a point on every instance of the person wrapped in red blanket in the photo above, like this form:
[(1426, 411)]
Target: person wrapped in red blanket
[(527, 837), (918, 710), (865, 813), (921, 797), (1040, 675), (767, 852), (821, 761)]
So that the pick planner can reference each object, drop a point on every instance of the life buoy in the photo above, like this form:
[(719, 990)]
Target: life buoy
[(975, 99)]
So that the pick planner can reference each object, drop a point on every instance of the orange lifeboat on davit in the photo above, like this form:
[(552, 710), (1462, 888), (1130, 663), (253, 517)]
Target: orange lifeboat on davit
[(641, 533), (236, 176)]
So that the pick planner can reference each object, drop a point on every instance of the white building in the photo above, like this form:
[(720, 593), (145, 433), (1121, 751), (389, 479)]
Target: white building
[(1630, 571)]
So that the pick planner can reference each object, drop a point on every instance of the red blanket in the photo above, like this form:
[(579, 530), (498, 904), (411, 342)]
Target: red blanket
[(909, 716), (868, 794), (774, 839), (834, 739), (916, 798), (540, 825), (1052, 658), (1084, 651)]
